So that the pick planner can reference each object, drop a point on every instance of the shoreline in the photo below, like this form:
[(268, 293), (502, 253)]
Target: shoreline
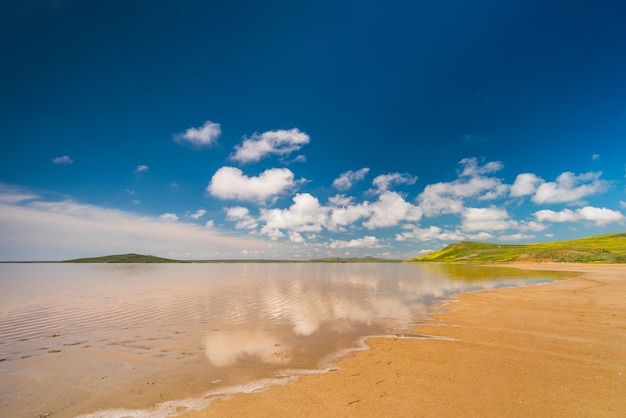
[(549, 350)]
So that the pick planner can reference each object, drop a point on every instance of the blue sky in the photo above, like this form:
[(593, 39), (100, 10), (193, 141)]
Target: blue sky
[(296, 130)]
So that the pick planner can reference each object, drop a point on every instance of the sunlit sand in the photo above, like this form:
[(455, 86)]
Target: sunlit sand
[(549, 350)]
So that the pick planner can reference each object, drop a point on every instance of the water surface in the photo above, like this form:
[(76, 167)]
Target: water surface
[(80, 338)]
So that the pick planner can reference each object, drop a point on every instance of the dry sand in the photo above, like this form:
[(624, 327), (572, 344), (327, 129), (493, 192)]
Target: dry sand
[(557, 349)]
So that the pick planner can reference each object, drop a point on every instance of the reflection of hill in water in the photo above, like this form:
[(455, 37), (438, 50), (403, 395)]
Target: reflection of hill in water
[(473, 273)]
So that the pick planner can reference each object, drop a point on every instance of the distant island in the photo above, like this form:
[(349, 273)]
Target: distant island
[(608, 248), (124, 258)]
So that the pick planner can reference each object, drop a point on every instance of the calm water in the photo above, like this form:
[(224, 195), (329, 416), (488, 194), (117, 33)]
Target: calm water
[(79, 338)]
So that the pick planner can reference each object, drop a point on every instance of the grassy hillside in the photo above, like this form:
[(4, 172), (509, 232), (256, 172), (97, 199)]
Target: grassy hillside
[(124, 258), (609, 248)]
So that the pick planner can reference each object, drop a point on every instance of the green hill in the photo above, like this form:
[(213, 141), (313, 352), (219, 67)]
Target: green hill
[(609, 248), (124, 258)]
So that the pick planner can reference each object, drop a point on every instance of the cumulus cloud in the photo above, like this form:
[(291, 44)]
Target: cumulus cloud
[(347, 179), (569, 187), (64, 160), (449, 197), (485, 219), (525, 184), (203, 136), (170, 217), (142, 168), (599, 216), (280, 142), (390, 209), (343, 212), (242, 217), (383, 181), (232, 183), (367, 241), (304, 215)]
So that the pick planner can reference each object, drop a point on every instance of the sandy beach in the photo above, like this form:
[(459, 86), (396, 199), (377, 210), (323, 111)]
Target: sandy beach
[(556, 349)]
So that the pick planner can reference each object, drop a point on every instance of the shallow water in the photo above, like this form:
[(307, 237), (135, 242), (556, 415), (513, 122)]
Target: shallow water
[(80, 338)]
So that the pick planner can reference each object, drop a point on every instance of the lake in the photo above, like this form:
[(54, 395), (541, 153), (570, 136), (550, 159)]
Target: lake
[(158, 339)]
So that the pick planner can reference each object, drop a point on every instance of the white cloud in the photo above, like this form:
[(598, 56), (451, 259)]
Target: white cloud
[(383, 181), (231, 183), (343, 213), (242, 216), (431, 233), (295, 237), (170, 217), (198, 214), (14, 195), (599, 216), (515, 237), (485, 219), (449, 197), (203, 136), (367, 241), (525, 184), (209, 224), (64, 160), (46, 230), (142, 168), (472, 169), (622, 204), (595, 157), (304, 215), (569, 187), (279, 142), (390, 209), (347, 179)]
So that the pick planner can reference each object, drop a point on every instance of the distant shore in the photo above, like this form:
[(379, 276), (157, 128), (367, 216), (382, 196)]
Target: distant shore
[(549, 350)]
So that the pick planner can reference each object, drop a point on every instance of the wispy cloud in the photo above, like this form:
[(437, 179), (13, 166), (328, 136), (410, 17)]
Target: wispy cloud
[(63, 160), (36, 229), (197, 214), (347, 179), (232, 183), (142, 168), (280, 142), (384, 181), (203, 136)]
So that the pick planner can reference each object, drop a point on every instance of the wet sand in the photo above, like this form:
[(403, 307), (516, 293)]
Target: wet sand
[(557, 349)]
